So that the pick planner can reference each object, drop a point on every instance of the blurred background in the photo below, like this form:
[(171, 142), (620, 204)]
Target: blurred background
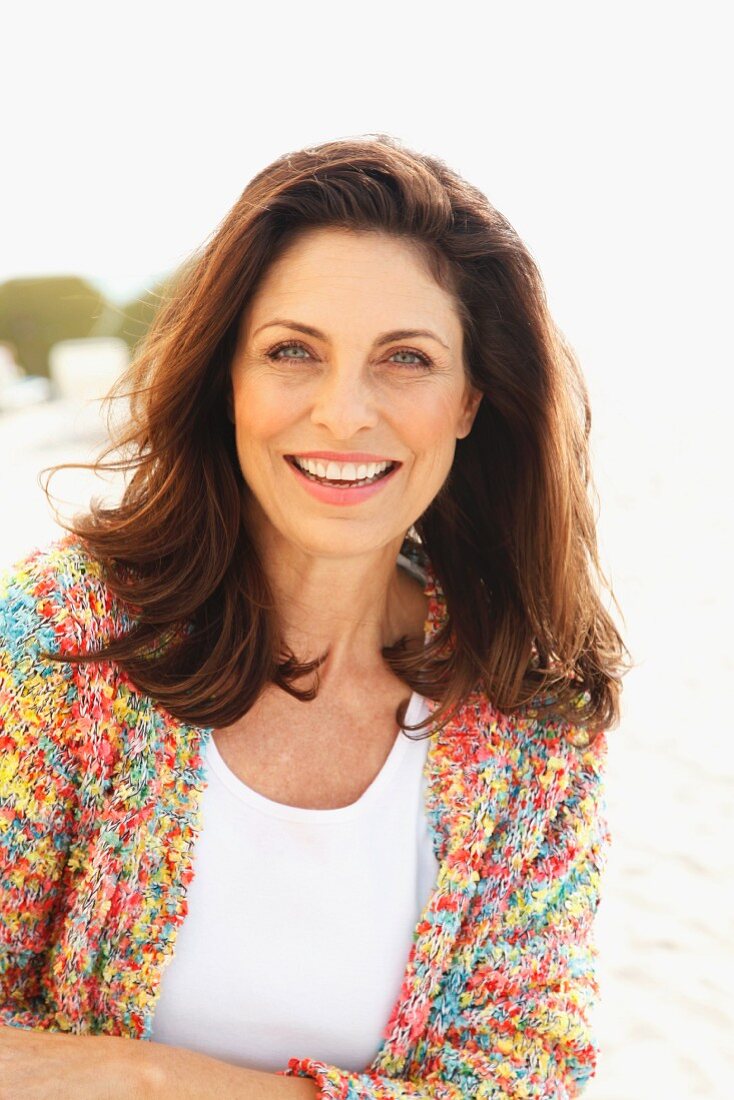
[(602, 133)]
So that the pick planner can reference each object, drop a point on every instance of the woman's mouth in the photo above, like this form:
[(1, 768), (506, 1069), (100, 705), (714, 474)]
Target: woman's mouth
[(342, 475), (342, 483)]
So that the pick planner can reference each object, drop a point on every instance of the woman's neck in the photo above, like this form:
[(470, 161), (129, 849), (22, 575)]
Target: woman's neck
[(352, 607)]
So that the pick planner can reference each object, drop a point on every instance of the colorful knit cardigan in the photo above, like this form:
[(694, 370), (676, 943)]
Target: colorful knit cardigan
[(99, 810)]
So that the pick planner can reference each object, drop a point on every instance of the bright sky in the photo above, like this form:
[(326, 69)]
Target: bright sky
[(129, 129)]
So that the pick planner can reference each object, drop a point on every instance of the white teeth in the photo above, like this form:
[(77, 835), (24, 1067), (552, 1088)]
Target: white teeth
[(342, 471)]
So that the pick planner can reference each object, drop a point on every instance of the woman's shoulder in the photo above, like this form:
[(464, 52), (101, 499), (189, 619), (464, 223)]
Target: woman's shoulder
[(56, 565), (58, 593), (534, 761)]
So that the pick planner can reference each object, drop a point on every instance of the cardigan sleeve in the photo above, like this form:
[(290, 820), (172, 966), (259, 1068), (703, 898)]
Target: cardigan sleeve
[(36, 791), (521, 1027)]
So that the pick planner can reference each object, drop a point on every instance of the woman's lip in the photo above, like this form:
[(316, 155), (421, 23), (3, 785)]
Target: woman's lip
[(334, 456)]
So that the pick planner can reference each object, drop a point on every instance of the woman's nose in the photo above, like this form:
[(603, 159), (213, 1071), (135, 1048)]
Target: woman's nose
[(344, 403)]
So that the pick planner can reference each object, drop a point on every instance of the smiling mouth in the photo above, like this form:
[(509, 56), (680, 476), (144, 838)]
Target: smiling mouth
[(338, 483)]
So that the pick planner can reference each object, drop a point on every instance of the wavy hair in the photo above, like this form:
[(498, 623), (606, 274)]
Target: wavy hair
[(510, 536)]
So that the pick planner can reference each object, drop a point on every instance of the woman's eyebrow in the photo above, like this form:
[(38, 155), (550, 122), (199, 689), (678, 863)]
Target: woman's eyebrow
[(384, 338)]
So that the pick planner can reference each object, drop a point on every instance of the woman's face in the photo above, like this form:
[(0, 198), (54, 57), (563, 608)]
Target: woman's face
[(350, 350)]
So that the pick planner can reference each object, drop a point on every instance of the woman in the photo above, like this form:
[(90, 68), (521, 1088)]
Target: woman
[(357, 507)]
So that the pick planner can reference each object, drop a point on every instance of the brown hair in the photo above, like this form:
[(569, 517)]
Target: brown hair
[(510, 537)]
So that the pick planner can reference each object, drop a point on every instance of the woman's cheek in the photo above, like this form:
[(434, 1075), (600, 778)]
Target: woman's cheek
[(260, 411)]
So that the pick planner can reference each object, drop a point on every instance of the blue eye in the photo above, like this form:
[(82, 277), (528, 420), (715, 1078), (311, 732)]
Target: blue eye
[(424, 361), (273, 353)]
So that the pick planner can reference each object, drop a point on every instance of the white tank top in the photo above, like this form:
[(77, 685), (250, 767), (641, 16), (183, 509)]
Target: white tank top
[(299, 921)]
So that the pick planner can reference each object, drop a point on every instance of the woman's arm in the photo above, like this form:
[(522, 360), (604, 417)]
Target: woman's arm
[(37, 793), (173, 1073), (43, 1065)]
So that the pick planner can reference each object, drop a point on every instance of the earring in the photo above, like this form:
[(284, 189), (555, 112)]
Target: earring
[(413, 534)]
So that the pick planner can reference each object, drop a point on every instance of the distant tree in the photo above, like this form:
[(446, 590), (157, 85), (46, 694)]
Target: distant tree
[(37, 312)]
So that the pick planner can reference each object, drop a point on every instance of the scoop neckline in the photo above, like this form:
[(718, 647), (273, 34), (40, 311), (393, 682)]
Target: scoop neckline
[(317, 816)]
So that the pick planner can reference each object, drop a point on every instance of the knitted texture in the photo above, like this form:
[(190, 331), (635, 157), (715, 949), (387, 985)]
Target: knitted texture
[(100, 792)]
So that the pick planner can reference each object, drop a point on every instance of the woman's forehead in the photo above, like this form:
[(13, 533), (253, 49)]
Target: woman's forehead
[(328, 280)]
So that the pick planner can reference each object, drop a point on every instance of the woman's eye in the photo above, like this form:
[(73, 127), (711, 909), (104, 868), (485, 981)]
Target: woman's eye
[(273, 353), (423, 360)]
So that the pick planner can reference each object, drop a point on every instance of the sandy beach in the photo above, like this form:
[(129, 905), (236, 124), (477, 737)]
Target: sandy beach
[(665, 926)]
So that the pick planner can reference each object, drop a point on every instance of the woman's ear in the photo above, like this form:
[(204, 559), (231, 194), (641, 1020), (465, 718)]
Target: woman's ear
[(472, 401)]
